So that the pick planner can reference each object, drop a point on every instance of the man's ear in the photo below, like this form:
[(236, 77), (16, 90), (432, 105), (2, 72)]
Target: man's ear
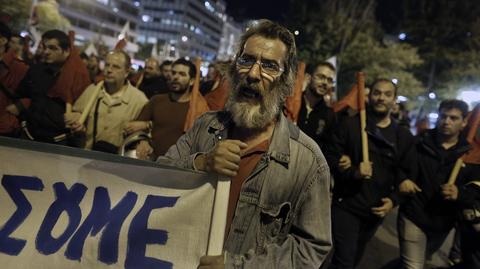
[(191, 81)]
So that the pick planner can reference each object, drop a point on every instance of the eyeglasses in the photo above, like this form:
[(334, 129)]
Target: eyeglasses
[(323, 77), (266, 66)]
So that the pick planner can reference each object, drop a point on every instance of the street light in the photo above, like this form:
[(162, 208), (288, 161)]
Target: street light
[(184, 38)]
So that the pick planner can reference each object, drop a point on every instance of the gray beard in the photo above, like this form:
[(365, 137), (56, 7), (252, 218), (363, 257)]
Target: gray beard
[(255, 116)]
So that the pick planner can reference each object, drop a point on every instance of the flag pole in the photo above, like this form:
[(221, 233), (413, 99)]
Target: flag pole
[(363, 115), (475, 121), (219, 217)]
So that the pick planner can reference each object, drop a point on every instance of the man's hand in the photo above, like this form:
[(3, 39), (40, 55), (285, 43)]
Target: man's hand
[(71, 119), (409, 187), (223, 159), (450, 192), (135, 126), (76, 127), (212, 262), (12, 109), (143, 150), (382, 211), (344, 163), (365, 169)]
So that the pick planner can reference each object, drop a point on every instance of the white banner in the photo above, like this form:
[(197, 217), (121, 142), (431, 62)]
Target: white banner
[(67, 210)]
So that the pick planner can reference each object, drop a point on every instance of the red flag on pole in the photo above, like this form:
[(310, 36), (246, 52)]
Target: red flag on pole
[(473, 156), (198, 105), (350, 100), (294, 102)]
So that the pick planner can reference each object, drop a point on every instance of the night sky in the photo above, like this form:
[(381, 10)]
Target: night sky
[(257, 9), (388, 12)]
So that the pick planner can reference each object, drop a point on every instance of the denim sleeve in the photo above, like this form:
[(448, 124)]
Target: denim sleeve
[(182, 153), (309, 239)]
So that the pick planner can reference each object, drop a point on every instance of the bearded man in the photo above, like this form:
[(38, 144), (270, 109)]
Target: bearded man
[(279, 206)]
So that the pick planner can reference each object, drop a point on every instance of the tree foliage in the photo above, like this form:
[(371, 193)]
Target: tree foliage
[(348, 29), (448, 37)]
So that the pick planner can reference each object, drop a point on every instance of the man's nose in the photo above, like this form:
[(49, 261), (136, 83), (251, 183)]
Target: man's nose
[(254, 74)]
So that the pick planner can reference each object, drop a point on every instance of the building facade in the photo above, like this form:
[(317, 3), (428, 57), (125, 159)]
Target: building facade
[(183, 28), (102, 21)]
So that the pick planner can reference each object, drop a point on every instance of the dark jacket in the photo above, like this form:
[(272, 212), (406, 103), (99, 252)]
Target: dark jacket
[(44, 116), (428, 209), (153, 86), (319, 123), (393, 162)]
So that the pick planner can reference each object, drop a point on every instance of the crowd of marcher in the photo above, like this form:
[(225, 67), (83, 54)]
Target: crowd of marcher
[(302, 195)]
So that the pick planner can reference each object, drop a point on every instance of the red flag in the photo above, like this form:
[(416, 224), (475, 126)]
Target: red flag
[(293, 103), (121, 44), (350, 100), (198, 105), (217, 98), (73, 78), (473, 156)]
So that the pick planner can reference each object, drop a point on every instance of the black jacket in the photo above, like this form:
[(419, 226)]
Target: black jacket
[(45, 114), (153, 86), (393, 162), (319, 124), (427, 209)]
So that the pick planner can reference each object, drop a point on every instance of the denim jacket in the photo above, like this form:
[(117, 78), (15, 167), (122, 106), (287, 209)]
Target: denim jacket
[(282, 218)]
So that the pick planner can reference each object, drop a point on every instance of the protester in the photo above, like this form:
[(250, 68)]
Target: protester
[(427, 218), (364, 192), (117, 103), (278, 212), (469, 223), (218, 87), (49, 86), (166, 69), (315, 118), (400, 114), (94, 71), (153, 82), (12, 71), (17, 43), (165, 114)]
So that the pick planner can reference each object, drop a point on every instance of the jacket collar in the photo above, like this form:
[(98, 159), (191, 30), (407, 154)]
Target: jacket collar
[(127, 95), (430, 143)]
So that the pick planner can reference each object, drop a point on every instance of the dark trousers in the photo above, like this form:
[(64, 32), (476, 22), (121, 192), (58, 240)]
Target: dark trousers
[(470, 246), (350, 236)]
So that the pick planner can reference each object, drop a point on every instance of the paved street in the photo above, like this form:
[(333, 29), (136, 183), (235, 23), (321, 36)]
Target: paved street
[(382, 252)]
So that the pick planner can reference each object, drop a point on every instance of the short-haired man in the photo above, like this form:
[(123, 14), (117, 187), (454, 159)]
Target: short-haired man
[(44, 85), (165, 114), (315, 118), (166, 70), (279, 206), (117, 103), (153, 82), (94, 71), (365, 192), (427, 217)]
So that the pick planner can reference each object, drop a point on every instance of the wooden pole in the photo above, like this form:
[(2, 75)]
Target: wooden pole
[(363, 115), (219, 217)]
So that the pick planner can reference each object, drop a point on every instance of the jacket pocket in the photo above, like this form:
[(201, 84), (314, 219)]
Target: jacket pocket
[(274, 221)]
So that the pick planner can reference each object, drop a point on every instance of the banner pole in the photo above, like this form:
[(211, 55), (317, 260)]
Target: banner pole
[(219, 217)]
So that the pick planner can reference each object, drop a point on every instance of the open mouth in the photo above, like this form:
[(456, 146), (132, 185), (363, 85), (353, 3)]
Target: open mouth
[(249, 93)]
